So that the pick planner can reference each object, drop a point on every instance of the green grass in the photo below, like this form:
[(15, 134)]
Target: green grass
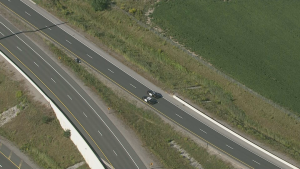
[(43, 142), (154, 133), (255, 42), (174, 71)]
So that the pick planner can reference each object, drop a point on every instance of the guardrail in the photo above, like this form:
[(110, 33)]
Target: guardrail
[(85, 150)]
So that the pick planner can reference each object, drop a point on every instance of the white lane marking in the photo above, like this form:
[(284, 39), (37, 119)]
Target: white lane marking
[(115, 153), (69, 97), (231, 132), (1, 33), (229, 146), (89, 56), (27, 13), (256, 162), (178, 115), (69, 42), (203, 131), (19, 48), (53, 80), (111, 71), (74, 88), (8, 0), (36, 64), (84, 114), (132, 86), (99, 132)]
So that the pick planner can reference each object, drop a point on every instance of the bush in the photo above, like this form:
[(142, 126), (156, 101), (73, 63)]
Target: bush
[(19, 94), (46, 119), (132, 10), (100, 5), (67, 133)]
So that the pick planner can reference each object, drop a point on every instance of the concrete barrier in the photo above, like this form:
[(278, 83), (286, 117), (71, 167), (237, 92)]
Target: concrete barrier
[(87, 153), (233, 133)]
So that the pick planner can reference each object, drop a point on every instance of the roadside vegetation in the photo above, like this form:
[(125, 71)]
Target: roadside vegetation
[(149, 127), (175, 71), (35, 130)]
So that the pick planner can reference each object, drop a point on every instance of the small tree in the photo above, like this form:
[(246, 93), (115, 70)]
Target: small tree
[(100, 5)]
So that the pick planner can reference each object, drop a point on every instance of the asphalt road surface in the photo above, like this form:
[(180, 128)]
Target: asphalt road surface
[(88, 118), (136, 88), (10, 160), (5, 163)]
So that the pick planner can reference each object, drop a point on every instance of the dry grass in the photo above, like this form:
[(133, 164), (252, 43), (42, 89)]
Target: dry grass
[(43, 142), (8, 90)]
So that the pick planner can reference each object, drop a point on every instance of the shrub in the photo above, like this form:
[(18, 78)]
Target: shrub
[(67, 133), (46, 119), (100, 5), (19, 94), (132, 10)]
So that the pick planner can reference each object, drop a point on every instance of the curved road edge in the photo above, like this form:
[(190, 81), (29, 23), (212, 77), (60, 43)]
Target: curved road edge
[(90, 158)]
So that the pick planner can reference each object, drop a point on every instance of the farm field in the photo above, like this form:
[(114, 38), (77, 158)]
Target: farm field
[(255, 42)]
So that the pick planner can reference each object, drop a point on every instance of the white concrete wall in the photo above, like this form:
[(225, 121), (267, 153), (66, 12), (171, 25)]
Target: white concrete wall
[(87, 153)]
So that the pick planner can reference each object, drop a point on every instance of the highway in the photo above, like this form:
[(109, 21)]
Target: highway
[(103, 137), (137, 89)]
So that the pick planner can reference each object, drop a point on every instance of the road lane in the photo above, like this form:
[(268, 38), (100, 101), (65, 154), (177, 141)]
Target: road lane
[(5, 163), (79, 103)]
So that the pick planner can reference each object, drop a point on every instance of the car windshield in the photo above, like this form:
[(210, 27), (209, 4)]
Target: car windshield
[(148, 98)]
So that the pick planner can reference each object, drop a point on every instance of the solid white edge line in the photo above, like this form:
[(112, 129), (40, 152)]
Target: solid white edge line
[(78, 94), (235, 134)]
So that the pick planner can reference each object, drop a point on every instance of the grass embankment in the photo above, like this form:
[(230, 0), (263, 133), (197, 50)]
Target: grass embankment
[(35, 130), (174, 70), (154, 133)]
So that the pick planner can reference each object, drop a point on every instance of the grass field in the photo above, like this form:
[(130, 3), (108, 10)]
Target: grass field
[(255, 42), (167, 66), (42, 141)]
